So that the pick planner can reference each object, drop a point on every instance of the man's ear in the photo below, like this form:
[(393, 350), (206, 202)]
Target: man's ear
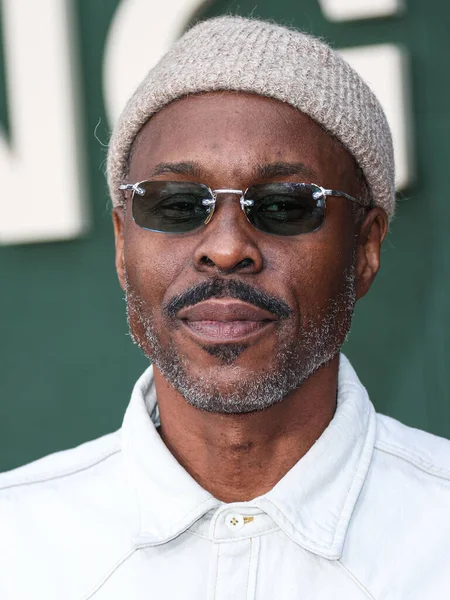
[(118, 217), (371, 235)]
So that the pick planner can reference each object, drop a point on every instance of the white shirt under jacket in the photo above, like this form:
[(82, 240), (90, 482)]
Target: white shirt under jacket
[(365, 514)]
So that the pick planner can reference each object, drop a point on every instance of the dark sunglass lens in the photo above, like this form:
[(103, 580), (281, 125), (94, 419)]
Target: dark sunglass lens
[(171, 207), (285, 208)]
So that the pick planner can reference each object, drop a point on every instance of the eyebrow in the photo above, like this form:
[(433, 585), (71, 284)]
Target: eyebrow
[(284, 169), (180, 168), (262, 171)]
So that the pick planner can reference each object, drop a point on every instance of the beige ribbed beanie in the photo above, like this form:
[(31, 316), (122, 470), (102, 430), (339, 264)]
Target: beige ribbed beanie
[(249, 55)]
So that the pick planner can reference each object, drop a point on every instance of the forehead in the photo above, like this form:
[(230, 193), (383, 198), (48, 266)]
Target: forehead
[(230, 135)]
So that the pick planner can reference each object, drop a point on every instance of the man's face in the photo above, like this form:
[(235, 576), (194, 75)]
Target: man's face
[(235, 318)]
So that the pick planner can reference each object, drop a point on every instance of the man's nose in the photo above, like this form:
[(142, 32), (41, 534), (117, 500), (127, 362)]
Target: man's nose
[(228, 242)]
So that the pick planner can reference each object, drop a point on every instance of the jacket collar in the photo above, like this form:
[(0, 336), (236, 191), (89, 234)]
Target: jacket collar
[(313, 503), (170, 500)]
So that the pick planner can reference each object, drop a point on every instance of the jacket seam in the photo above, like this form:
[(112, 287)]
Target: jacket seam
[(416, 461), (97, 587), (353, 577), (44, 479), (249, 569)]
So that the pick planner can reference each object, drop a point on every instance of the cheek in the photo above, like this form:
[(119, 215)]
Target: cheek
[(152, 263), (314, 269)]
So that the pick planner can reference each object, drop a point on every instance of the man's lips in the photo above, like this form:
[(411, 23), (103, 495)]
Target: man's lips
[(225, 310), (225, 320)]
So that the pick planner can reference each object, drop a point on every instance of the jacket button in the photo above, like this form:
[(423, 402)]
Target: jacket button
[(234, 521)]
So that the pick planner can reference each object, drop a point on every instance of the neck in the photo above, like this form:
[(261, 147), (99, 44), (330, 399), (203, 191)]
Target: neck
[(239, 457)]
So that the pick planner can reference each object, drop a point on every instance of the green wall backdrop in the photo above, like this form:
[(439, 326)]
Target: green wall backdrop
[(67, 365)]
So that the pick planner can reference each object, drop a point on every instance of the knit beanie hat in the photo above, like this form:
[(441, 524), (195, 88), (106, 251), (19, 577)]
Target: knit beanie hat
[(253, 56)]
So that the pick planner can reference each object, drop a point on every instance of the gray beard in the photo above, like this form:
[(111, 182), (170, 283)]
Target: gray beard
[(296, 359)]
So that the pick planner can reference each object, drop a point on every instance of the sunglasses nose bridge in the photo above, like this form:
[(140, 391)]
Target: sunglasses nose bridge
[(211, 202), (227, 191), (242, 200)]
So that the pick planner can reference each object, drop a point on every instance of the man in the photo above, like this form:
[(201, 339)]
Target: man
[(253, 181)]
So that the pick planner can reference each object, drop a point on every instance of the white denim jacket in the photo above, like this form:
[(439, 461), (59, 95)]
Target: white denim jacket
[(364, 514)]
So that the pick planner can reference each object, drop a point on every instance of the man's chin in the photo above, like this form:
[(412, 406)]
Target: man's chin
[(224, 369), (241, 386), (227, 354)]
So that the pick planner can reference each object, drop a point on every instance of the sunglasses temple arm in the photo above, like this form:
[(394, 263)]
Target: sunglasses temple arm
[(133, 187), (343, 195)]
